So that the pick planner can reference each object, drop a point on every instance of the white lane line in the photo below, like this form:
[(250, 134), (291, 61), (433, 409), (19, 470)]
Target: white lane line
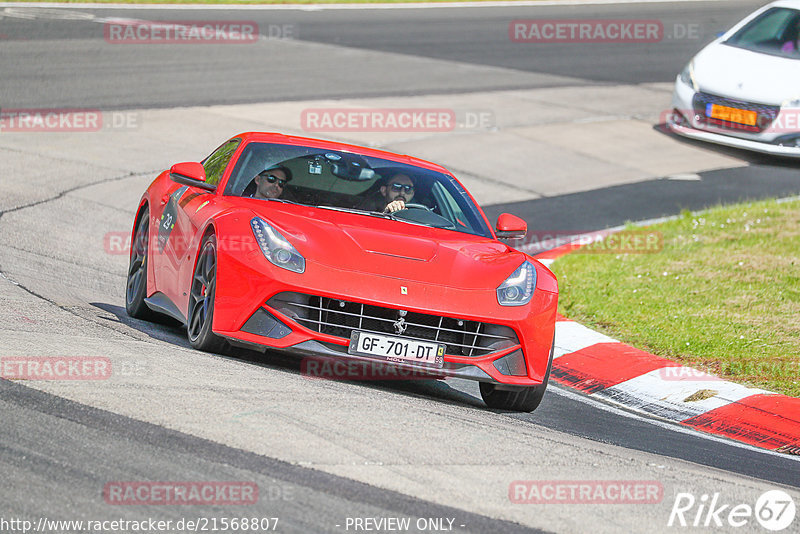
[(606, 407), (572, 337), (684, 177)]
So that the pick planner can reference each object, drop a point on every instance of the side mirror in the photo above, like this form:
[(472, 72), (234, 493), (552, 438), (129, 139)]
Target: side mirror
[(190, 173), (510, 227)]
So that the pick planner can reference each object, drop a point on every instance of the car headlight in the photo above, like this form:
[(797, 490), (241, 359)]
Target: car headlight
[(687, 75), (275, 247), (792, 103), (517, 290)]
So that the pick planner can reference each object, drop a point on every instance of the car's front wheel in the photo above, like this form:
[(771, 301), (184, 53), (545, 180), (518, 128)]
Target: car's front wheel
[(518, 399), (201, 300)]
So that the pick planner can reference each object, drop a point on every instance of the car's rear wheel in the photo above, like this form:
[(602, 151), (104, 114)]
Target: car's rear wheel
[(136, 287), (518, 399), (201, 300)]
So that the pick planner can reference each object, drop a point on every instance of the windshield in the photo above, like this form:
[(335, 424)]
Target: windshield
[(361, 184), (775, 32)]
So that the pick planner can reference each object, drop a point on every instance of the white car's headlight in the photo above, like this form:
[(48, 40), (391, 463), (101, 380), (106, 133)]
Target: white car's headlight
[(687, 75), (792, 103), (518, 288), (275, 247)]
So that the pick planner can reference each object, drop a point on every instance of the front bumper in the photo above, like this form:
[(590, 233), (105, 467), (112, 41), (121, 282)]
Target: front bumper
[(246, 314), (683, 120), (322, 361), (509, 365)]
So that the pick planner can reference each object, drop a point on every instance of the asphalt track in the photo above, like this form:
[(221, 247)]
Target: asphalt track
[(81, 71), (250, 418)]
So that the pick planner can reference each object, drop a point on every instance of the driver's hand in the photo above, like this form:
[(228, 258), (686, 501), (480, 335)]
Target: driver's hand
[(394, 205)]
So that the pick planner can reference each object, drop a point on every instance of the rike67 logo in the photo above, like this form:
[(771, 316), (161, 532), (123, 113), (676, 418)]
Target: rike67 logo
[(774, 510)]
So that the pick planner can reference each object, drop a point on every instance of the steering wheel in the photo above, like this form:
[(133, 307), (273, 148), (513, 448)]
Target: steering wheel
[(416, 207)]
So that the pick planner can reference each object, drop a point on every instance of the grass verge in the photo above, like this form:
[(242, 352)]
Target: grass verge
[(723, 295)]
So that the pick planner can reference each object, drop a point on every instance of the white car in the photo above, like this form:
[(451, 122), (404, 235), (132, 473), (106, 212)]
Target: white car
[(743, 89)]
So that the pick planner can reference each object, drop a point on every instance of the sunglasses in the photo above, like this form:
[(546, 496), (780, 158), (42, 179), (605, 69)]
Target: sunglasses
[(272, 179), (405, 188)]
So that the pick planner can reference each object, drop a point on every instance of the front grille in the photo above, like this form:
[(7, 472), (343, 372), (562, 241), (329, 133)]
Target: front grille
[(766, 113), (339, 318)]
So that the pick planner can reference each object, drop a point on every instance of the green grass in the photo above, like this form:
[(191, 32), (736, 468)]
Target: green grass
[(722, 296)]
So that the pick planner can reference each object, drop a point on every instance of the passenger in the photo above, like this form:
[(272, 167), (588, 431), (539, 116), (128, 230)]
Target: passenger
[(271, 181)]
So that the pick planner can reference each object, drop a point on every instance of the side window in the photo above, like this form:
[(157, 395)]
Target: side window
[(454, 203), (448, 206), (215, 163)]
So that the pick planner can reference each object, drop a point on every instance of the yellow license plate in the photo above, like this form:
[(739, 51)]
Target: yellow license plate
[(725, 113)]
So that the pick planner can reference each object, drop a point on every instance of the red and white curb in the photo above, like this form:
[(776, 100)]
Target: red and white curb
[(607, 369)]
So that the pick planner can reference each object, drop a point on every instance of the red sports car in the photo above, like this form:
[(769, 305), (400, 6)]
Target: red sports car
[(276, 242)]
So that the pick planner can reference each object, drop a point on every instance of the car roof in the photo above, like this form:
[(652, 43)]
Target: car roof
[(275, 137)]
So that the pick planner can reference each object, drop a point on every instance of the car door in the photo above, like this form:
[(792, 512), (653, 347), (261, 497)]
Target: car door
[(182, 245)]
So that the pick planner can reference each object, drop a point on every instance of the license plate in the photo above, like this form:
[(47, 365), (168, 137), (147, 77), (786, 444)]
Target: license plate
[(725, 113), (397, 349)]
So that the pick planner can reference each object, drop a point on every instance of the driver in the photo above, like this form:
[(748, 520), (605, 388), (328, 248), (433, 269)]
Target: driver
[(793, 45), (398, 191), (270, 182)]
